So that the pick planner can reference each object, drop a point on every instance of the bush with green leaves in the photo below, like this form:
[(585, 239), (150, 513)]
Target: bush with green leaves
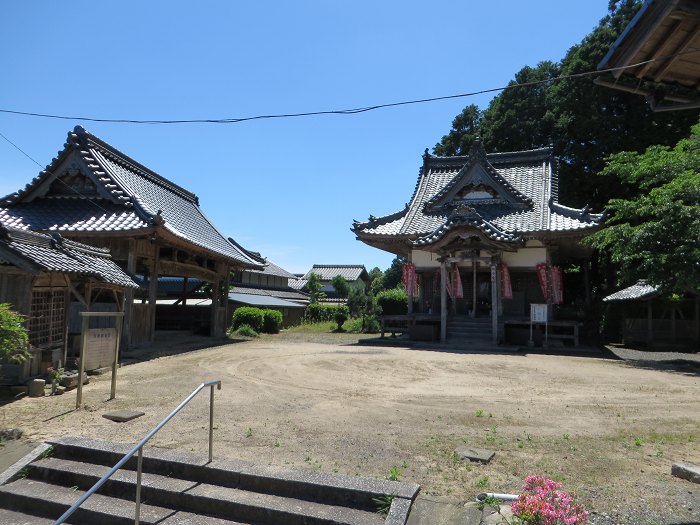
[(272, 320), (341, 316), (245, 330), (248, 315), (393, 302), (14, 339), (317, 312)]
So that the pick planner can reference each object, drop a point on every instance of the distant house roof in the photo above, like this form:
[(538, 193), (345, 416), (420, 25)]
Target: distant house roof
[(659, 45), (38, 252), (298, 283), (104, 190), (262, 300), (639, 290), (272, 269), (326, 272), (505, 197), (288, 293)]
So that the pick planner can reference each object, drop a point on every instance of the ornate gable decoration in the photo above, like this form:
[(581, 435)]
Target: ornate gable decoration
[(477, 183)]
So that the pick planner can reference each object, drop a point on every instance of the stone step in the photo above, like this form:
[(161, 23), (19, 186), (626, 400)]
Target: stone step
[(331, 489), (43, 500), (11, 517), (200, 498)]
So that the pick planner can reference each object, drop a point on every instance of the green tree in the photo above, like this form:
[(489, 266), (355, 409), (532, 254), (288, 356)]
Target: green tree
[(341, 286), (393, 275), (655, 234), (313, 286), (357, 299), (13, 336), (585, 122), (465, 128), (376, 280)]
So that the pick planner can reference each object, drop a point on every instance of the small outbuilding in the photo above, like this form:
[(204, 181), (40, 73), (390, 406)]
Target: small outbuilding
[(651, 319), (45, 277)]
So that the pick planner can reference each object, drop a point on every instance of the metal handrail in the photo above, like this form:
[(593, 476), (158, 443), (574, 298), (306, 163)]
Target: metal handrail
[(139, 448)]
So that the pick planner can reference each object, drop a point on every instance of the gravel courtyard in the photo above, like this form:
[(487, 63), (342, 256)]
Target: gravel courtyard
[(608, 429)]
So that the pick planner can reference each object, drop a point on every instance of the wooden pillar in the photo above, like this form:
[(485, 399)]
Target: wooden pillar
[(494, 303), (153, 290), (215, 298), (587, 282), (129, 295), (184, 291), (453, 305), (474, 266), (443, 302), (410, 299), (650, 324)]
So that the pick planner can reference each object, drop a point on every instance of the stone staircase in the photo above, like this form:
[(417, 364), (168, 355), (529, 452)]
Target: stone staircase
[(467, 331), (180, 488)]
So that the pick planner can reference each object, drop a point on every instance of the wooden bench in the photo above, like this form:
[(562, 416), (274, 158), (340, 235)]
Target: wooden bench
[(554, 328)]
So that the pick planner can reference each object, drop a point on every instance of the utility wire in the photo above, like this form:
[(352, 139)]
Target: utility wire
[(350, 111), (91, 201)]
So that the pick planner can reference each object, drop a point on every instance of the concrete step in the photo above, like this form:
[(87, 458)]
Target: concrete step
[(197, 497), (11, 517), (182, 488), (333, 489)]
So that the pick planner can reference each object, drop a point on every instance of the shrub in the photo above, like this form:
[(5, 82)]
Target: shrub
[(316, 312), (340, 317), (272, 320), (13, 336), (253, 317), (393, 302), (245, 330)]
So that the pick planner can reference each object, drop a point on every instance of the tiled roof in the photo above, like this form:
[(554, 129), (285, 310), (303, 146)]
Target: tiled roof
[(36, 252), (351, 272), (524, 202), (640, 290), (274, 270), (126, 196), (288, 294), (297, 283)]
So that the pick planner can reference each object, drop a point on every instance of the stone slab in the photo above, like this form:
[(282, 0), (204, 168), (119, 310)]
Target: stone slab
[(122, 416), (435, 510), (686, 471), (70, 380), (480, 455)]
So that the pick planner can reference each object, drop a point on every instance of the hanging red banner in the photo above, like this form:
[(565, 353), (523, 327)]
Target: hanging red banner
[(457, 282), (542, 276), (557, 285), (506, 285), (410, 279)]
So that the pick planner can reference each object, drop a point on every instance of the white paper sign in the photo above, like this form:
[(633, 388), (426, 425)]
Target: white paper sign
[(101, 345), (538, 313)]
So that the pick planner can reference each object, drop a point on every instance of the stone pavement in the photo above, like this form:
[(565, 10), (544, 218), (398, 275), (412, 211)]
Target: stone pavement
[(434, 510)]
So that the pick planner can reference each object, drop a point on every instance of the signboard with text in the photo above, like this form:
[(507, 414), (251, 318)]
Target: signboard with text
[(101, 345), (538, 313)]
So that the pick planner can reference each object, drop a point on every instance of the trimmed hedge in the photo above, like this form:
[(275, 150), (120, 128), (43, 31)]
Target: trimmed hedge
[(259, 319), (272, 320), (393, 302), (316, 312)]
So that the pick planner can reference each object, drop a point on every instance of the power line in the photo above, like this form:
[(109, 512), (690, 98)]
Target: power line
[(91, 201), (349, 111)]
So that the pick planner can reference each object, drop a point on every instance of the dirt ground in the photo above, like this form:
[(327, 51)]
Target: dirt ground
[(605, 428)]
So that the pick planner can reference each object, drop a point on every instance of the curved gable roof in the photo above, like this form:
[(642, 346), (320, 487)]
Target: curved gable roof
[(124, 188)]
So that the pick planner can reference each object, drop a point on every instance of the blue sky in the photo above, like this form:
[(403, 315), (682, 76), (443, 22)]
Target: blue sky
[(287, 188)]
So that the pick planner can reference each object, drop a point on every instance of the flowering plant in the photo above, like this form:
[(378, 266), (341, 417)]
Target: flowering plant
[(544, 503), (56, 374)]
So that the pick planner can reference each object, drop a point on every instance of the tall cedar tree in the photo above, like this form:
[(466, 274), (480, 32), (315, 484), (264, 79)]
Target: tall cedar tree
[(584, 122)]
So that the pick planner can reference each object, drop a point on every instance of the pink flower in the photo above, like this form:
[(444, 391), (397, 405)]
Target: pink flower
[(543, 503)]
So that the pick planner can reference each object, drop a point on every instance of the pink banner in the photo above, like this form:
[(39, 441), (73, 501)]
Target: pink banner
[(506, 285), (542, 276), (557, 285), (457, 282), (410, 279)]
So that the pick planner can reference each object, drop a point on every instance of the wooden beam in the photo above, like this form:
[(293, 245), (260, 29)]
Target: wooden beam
[(75, 291), (187, 270), (660, 49), (153, 289), (683, 47)]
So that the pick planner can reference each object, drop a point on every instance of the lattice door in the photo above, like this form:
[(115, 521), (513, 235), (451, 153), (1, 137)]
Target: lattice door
[(47, 319)]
